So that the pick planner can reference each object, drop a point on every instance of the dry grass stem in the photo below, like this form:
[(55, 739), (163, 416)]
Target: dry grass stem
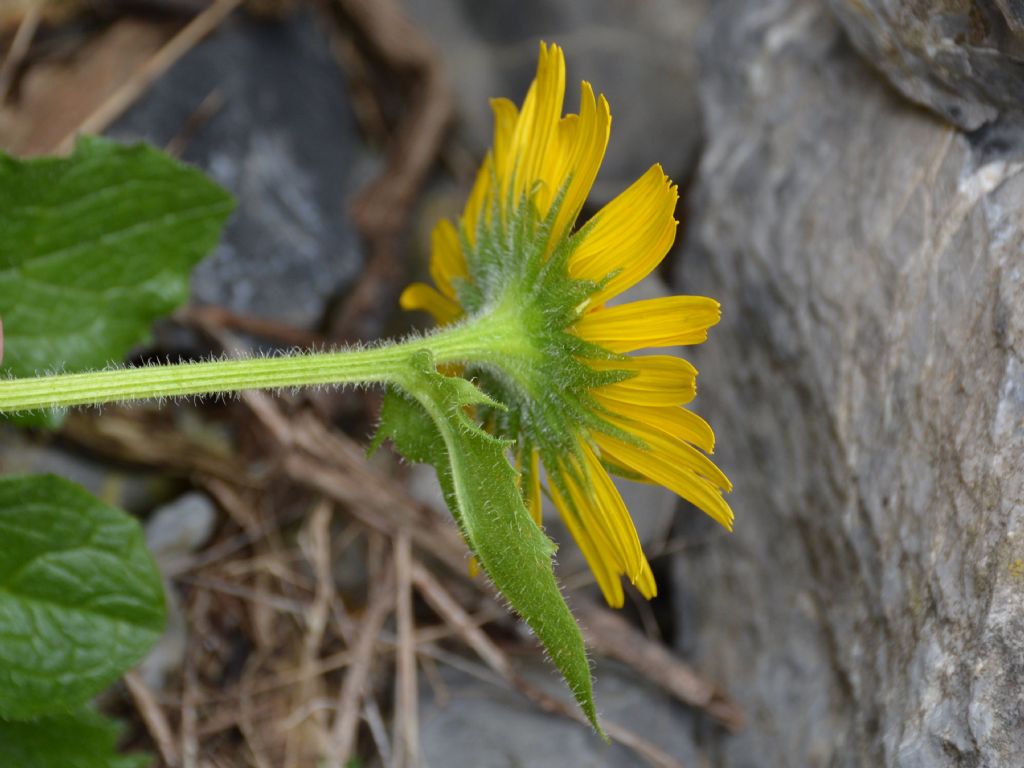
[(406, 741), (116, 104), (609, 635), (153, 716), (19, 47), (346, 721), (453, 613)]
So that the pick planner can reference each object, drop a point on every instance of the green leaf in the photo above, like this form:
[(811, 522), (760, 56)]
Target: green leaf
[(94, 247), (80, 739), (482, 492), (81, 599)]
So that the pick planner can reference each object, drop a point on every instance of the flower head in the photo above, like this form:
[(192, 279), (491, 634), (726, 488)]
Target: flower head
[(578, 403)]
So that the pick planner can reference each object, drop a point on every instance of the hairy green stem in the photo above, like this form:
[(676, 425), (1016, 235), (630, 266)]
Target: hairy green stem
[(493, 337)]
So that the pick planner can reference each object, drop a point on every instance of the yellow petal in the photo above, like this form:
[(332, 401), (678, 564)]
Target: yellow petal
[(672, 463), (598, 519), (597, 557), (539, 153), (535, 132), (605, 503), (672, 420), (422, 296), (580, 149), (446, 258), (533, 500), (663, 322), (659, 380), (631, 235), (646, 584), (506, 116), (531, 475), (479, 198)]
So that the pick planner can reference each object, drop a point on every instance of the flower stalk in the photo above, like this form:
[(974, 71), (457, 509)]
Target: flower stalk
[(482, 339)]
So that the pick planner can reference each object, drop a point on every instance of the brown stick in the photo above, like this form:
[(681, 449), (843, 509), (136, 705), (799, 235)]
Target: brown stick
[(346, 722), (189, 737), (453, 613), (115, 104), (154, 718), (318, 552), (406, 740), (370, 497), (19, 47), (609, 635)]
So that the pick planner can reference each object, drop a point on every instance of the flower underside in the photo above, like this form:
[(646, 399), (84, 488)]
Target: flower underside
[(577, 403)]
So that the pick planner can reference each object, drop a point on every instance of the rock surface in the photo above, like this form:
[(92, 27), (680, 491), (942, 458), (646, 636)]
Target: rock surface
[(284, 141), (963, 59), (641, 55), (174, 532), (867, 389), (484, 726)]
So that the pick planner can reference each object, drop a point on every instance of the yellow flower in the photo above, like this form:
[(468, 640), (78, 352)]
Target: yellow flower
[(622, 413)]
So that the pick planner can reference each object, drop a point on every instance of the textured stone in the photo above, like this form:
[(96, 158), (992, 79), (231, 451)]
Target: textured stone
[(134, 490), (485, 726), (639, 54), (866, 386), (284, 141), (179, 528), (173, 533), (963, 59)]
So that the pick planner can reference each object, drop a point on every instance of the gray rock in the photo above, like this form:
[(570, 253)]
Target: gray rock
[(484, 726), (963, 59), (134, 490), (173, 532), (284, 141), (866, 386), (179, 528), (639, 54)]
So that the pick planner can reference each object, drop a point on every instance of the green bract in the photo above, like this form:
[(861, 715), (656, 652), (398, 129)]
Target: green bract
[(547, 391), (430, 423)]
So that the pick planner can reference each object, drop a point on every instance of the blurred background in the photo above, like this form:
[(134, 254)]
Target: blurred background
[(852, 189)]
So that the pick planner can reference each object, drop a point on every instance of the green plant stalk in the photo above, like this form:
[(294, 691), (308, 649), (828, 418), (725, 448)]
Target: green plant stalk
[(495, 337)]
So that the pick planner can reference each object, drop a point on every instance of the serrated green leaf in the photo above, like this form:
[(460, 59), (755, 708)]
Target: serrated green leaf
[(81, 599), (484, 497), (409, 428), (80, 739), (96, 246)]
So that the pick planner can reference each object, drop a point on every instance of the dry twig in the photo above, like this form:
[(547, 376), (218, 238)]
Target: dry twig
[(613, 637), (189, 696), (115, 105), (153, 716), (406, 739), (346, 721), (19, 47), (448, 609)]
